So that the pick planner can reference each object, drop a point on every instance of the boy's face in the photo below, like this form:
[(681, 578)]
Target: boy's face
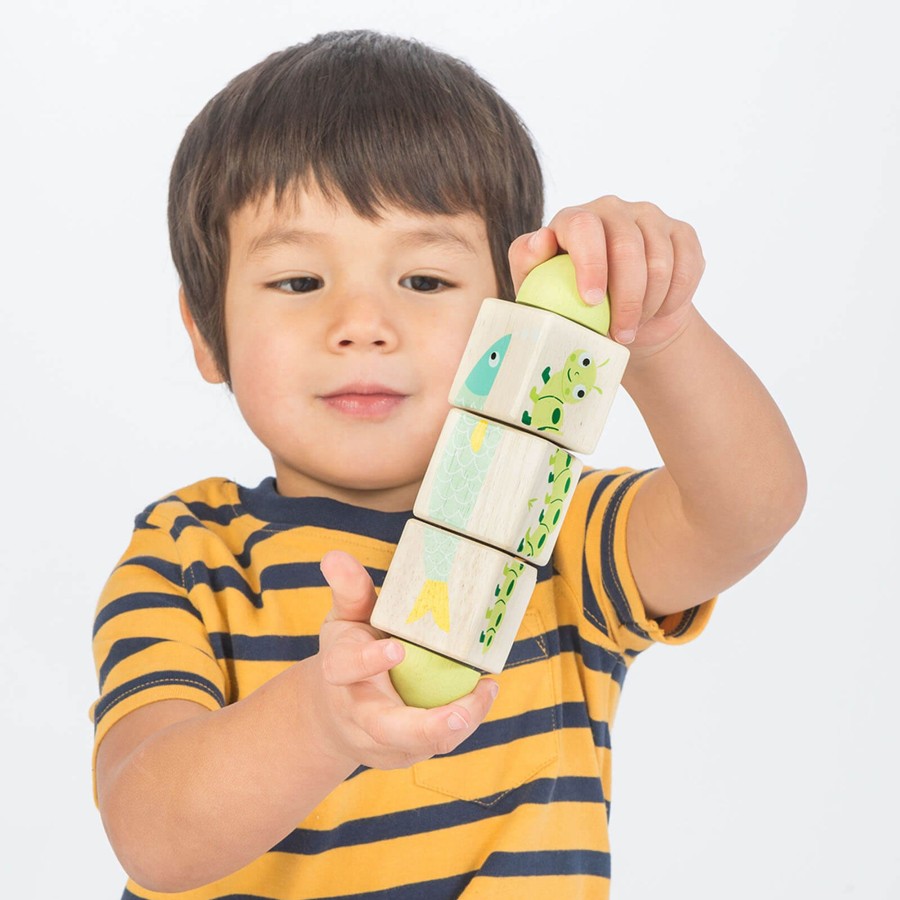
[(343, 338)]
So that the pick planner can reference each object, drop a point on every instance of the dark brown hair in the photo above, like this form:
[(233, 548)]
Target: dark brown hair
[(376, 119)]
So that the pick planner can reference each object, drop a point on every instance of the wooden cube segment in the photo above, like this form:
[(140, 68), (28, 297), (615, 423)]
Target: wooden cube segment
[(551, 286), (454, 596), (541, 372), (498, 484)]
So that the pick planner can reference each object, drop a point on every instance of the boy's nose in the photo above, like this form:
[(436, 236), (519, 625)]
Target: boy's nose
[(361, 321)]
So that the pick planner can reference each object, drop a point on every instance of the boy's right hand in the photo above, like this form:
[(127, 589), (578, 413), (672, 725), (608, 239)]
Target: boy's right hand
[(363, 720)]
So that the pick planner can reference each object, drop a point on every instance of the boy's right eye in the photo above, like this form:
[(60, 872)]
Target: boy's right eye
[(302, 284)]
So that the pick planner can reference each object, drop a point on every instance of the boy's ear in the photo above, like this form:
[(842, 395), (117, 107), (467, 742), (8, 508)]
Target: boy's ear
[(203, 356)]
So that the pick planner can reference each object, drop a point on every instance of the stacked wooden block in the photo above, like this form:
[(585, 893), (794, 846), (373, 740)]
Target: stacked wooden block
[(535, 384)]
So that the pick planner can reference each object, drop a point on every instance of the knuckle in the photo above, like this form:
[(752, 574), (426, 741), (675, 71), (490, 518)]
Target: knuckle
[(582, 219), (683, 276), (658, 269), (376, 728), (626, 247), (644, 209), (329, 666)]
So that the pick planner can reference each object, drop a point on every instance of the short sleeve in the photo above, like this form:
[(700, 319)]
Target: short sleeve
[(149, 641), (592, 556)]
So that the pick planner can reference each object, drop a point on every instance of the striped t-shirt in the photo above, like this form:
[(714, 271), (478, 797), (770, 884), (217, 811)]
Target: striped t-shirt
[(220, 590)]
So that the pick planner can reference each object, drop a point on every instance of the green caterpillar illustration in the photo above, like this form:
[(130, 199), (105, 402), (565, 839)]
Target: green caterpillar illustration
[(560, 479), (497, 609), (571, 384)]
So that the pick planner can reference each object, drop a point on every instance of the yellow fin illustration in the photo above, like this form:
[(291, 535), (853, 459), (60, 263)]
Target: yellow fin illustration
[(434, 598), (476, 439)]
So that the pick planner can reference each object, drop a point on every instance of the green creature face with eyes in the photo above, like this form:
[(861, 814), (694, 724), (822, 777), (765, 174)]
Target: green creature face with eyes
[(571, 384)]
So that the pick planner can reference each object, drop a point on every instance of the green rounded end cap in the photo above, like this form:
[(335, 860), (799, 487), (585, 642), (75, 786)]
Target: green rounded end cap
[(427, 679), (551, 286)]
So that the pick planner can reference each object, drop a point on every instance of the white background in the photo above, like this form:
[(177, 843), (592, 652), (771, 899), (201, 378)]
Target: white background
[(760, 761)]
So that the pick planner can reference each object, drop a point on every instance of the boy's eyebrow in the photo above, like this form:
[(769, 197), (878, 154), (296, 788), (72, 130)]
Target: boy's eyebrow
[(434, 237), (416, 238), (274, 237)]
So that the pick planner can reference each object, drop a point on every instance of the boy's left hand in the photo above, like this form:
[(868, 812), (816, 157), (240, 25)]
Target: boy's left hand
[(650, 263)]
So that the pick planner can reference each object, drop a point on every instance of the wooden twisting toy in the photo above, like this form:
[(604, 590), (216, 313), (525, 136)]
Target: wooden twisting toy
[(535, 384)]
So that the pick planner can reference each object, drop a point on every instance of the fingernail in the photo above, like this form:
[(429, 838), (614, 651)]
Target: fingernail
[(625, 337), (456, 722), (494, 688), (594, 296), (533, 240), (393, 652)]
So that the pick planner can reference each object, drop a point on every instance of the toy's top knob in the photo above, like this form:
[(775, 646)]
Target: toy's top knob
[(551, 286)]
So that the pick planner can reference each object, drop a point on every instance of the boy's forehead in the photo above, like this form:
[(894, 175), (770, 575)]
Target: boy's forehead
[(308, 216)]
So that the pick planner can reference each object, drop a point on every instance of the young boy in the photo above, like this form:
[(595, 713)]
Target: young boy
[(337, 214)]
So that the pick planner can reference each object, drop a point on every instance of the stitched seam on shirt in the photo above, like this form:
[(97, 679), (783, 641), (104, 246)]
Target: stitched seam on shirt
[(156, 683)]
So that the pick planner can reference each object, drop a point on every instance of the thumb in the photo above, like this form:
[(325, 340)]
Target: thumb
[(352, 590)]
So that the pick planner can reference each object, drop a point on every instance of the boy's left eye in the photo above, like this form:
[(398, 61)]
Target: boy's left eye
[(424, 283)]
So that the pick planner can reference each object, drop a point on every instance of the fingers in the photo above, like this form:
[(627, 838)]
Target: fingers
[(530, 250), (687, 268), (423, 733), (650, 263), (351, 586), (585, 237), (356, 656), (627, 279)]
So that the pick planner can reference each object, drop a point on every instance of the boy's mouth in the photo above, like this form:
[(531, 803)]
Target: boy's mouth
[(364, 400)]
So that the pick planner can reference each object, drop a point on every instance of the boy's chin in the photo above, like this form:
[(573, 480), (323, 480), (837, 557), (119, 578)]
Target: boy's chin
[(371, 482)]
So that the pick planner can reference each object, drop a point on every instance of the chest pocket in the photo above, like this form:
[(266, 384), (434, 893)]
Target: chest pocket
[(519, 740)]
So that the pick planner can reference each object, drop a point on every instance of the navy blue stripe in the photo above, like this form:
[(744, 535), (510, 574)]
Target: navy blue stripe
[(437, 889), (531, 649), (170, 571), (545, 572), (266, 504), (511, 728), (610, 576), (244, 558), (441, 816), (502, 732), (168, 676), (221, 515), (143, 600), (140, 520), (591, 603), (596, 657), (547, 862), (219, 579), (293, 576), (182, 523), (122, 649), (290, 576), (269, 647), (128, 895), (574, 715)]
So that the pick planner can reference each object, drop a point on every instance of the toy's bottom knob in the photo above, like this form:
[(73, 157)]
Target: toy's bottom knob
[(427, 679)]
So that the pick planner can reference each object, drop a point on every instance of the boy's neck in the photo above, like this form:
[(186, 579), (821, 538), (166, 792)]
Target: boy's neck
[(397, 498)]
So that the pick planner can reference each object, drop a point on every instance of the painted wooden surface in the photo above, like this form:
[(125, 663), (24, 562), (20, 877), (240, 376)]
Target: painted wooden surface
[(498, 484), (541, 372), (454, 596)]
